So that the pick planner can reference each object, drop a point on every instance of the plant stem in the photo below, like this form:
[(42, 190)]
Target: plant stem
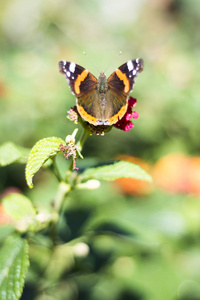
[(55, 169), (82, 140), (63, 189)]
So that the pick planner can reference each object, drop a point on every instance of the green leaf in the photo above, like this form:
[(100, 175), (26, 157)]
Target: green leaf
[(116, 170), (13, 266), (5, 231), (40, 153), (20, 208), (9, 153)]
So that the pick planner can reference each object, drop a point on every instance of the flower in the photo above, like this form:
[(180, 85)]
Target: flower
[(124, 123), (70, 150), (73, 115)]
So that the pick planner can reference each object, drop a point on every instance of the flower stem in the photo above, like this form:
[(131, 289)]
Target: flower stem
[(55, 170), (82, 140), (63, 189)]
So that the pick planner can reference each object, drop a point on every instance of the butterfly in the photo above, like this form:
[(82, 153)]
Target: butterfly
[(101, 101)]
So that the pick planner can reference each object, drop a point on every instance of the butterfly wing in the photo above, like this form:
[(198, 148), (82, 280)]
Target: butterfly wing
[(120, 84), (80, 80), (123, 79), (83, 85)]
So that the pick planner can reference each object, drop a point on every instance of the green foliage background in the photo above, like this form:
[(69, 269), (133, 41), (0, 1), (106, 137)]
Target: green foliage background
[(140, 248)]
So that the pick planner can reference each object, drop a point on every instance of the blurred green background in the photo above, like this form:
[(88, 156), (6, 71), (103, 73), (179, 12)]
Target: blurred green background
[(140, 247)]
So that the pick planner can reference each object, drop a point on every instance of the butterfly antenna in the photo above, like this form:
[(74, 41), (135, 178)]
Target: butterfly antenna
[(120, 52), (91, 61), (63, 31)]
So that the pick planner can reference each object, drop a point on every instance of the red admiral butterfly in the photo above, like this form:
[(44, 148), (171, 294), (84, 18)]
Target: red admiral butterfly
[(101, 101)]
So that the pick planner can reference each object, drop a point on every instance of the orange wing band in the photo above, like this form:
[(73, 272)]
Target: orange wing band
[(119, 115), (123, 77), (78, 81), (90, 119)]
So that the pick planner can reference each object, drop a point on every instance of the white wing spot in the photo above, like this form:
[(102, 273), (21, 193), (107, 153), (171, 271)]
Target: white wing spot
[(68, 74), (134, 72), (130, 65), (137, 60), (130, 76), (72, 67)]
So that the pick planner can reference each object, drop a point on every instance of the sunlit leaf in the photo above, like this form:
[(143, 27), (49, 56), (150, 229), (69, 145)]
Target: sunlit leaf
[(13, 266), (19, 208), (40, 153), (116, 170)]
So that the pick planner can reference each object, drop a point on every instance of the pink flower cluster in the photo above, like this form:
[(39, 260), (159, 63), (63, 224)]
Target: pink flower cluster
[(125, 123)]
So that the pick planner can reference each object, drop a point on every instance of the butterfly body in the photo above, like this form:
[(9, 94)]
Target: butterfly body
[(101, 101)]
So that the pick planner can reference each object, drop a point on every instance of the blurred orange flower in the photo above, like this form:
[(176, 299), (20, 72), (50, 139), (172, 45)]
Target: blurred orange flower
[(4, 218), (176, 173), (194, 175)]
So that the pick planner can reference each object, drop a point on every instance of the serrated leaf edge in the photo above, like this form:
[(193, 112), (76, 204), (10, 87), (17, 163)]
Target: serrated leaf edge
[(83, 177), (32, 160)]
